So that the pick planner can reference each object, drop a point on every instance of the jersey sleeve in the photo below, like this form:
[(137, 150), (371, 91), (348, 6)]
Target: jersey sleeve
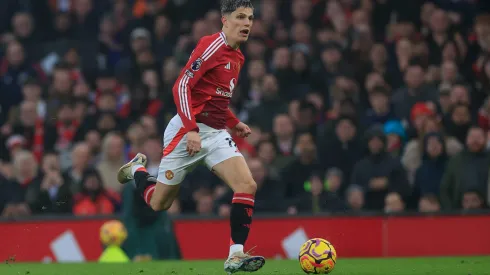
[(231, 119), (202, 60)]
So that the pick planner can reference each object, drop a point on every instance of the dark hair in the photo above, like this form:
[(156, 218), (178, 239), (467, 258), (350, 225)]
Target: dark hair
[(229, 6)]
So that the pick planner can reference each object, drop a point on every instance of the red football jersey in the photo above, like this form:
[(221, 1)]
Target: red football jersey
[(205, 85)]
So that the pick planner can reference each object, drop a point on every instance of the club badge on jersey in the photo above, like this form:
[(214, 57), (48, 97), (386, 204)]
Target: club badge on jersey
[(196, 65)]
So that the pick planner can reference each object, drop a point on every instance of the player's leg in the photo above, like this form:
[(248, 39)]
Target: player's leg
[(229, 165), (157, 194)]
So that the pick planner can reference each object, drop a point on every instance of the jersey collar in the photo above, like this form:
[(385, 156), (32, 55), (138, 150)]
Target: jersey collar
[(224, 38)]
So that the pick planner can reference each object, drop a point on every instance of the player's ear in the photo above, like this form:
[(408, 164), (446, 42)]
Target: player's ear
[(224, 19)]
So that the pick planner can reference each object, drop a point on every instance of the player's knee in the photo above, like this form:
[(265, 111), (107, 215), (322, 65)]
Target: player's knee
[(159, 204), (156, 205), (248, 187)]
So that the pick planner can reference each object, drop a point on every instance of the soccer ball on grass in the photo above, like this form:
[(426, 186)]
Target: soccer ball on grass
[(113, 233), (317, 256)]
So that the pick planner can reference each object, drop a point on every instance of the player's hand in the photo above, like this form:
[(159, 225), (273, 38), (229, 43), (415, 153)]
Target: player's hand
[(242, 130), (193, 143)]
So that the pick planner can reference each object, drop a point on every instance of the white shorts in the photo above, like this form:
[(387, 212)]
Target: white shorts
[(216, 146)]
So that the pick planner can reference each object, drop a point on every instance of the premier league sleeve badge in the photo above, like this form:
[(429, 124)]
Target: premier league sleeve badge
[(196, 65)]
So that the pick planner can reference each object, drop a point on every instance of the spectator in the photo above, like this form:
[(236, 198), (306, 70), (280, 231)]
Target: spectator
[(112, 158), (53, 196), (467, 170), (379, 172), (428, 176), (380, 111), (137, 138), (153, 151), (31, 92), (93, 198), (14, 71), (441, 34), (110, 48), (80, 161), (429, 204), (284, 130), (395, 137), (269, 196), (414, 91), (271, 104), (412, 157), (473, 200), (26, 176), (321, 195), (300, 169), (9, 199), (355, 198), (268, 153), (342, 150), (394, 203), (458, 122)]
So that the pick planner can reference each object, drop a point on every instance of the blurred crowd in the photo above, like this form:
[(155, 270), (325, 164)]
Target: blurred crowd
[(355, 105)]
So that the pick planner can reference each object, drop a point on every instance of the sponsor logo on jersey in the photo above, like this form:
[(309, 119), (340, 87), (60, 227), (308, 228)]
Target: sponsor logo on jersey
[(189, 74), (228, 66), (221, 92), (196, 65)]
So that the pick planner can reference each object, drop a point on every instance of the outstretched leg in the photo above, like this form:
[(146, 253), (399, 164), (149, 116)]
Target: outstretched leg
[(157, 195), (234, 172)]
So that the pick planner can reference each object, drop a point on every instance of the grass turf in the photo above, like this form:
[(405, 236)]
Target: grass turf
[(392, 266)]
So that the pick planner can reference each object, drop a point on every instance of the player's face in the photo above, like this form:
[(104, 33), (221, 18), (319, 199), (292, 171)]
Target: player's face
[(239, 24)]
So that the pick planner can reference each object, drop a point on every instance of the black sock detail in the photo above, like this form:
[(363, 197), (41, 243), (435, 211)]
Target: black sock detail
[(240, 221), (143, 180)]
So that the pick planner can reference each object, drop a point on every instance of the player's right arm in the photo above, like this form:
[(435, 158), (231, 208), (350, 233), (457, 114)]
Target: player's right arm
[(199, 63)]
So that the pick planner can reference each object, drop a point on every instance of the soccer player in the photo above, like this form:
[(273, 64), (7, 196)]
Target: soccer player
[(197, 134)]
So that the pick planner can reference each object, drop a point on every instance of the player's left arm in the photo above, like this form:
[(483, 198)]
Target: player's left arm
[(202, 60), (231, 119), (239, 128)]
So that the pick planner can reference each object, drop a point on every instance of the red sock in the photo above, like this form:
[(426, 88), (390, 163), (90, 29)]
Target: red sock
[(149, 193)]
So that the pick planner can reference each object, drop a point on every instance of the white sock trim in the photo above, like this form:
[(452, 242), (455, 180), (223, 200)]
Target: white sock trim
[(135, 167), (234, 248)]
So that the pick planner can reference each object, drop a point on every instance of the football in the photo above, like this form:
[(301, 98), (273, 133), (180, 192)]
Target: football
[(317, 256), (113, 233)]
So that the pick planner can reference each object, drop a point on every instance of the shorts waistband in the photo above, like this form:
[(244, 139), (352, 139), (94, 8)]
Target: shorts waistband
[(205, 128)]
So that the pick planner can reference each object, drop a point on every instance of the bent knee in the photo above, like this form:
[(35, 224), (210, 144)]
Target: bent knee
[(160, 205), (247, 187)]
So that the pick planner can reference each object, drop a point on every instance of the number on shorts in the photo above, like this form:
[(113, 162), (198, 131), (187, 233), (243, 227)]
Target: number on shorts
[(231, 142)]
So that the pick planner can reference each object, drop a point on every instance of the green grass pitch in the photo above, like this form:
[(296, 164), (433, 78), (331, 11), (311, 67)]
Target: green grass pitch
[(392, 266)]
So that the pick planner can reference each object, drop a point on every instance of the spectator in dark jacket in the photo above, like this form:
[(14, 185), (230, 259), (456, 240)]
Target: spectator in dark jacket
[(467, 170), (299, 171), (429, 175), (52, 194), (14, 70), (8, 195), (380, 111), (341, 149), (379, 172)]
